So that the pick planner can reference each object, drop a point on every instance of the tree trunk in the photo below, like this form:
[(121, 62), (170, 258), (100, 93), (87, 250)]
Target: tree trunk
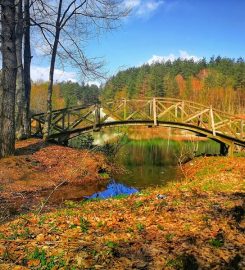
[(19, 105), (47, 125), (9, 64), (27, 69)]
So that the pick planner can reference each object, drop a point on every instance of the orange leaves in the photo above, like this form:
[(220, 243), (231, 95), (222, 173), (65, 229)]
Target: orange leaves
[(39, 94), (33, 263), (140, 231)]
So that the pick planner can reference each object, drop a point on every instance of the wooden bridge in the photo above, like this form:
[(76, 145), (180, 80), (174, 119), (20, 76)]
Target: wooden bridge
[(228, 130)]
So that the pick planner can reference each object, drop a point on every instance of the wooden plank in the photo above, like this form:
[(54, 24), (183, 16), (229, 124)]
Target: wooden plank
[(212, 120), (154, 111), (195, 116), (124, 109), (168, 110)]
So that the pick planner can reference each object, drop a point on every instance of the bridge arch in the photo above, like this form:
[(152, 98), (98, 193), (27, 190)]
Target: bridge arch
[(226, 146), (221, 127)]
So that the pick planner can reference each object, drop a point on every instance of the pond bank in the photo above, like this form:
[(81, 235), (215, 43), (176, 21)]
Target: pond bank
[(38, 167), (197, 223)]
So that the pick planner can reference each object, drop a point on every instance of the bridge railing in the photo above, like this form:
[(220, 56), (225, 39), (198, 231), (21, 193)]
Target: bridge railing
[(176, 110), (154, 110)]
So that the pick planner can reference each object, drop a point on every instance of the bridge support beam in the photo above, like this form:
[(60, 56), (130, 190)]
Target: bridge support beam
[(231, 150), (63, 140), (223, 149), (227, 149), (97, 118)]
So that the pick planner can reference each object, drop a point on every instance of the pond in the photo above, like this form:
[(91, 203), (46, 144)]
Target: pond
[(147, 162)]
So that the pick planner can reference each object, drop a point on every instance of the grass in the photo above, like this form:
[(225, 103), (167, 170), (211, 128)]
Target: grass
[(216, 243), (84, 224), (118, 233)]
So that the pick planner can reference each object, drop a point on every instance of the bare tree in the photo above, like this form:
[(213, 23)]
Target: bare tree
[(27, 68), (65, 25), (19, 79), (23, 80), (7, 91)]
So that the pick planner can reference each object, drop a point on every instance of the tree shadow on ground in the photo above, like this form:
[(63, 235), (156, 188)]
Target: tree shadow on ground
[(31, 148)]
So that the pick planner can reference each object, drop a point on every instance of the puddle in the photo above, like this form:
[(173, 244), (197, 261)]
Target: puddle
[(113, 189)]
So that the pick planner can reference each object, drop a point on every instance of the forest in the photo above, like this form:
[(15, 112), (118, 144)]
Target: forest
[(219, 82), (65, 94)]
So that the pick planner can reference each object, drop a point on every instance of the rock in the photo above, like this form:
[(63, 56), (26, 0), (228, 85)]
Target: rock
[(161, 196)]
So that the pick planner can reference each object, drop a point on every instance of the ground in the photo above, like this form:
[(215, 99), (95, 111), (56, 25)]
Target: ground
[(38, 168), (197, 223)]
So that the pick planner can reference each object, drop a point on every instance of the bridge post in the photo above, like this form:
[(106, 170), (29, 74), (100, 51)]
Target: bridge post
[(211, 113), (38, 127), (63, 120), (182, 110), (231, 150), (227, 149), (124, 109), (97, 118), (242, 127), (154, 111), (63, 140)]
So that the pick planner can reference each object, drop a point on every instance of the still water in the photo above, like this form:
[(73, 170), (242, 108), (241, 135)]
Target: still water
[(155, 162), (151, 162)]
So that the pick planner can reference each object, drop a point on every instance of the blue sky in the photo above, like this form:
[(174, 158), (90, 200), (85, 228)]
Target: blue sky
[(158, 30)]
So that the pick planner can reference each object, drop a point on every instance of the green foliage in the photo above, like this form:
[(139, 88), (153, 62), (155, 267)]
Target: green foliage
[(111, 244), (216, 243), (82, 142), (140, 227), (75, 94), (47, 263), (169, 237), (120, 196), (159, 79), (84, 224), (138, 204)]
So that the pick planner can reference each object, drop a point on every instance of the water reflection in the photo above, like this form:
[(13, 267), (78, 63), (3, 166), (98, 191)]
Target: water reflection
[(113, 189), (149, 176)]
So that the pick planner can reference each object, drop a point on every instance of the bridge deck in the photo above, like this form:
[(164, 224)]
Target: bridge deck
[(69, 122)]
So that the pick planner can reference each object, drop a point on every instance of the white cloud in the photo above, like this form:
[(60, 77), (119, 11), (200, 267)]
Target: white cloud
[(143, 8), (94, 82), (186, 55), (148, 7), (132, 3), (42, 73), (171, 57)]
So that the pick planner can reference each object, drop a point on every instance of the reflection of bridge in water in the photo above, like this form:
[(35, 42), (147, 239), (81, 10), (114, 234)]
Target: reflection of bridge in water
[(219, 126)]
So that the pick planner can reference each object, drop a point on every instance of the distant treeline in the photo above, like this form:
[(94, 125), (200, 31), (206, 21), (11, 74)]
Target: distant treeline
[(65, 94), (219, 82)]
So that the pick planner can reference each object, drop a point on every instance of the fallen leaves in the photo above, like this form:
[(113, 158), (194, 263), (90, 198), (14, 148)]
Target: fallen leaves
[(28, 177), (197, 223)]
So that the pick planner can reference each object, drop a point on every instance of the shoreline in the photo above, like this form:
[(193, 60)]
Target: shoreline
[(38, 168)]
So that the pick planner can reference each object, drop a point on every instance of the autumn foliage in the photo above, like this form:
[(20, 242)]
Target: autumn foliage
[(218, 82)]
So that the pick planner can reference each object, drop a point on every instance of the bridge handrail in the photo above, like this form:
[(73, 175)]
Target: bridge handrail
[(76, 108), (72, 108), (180, 100)]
